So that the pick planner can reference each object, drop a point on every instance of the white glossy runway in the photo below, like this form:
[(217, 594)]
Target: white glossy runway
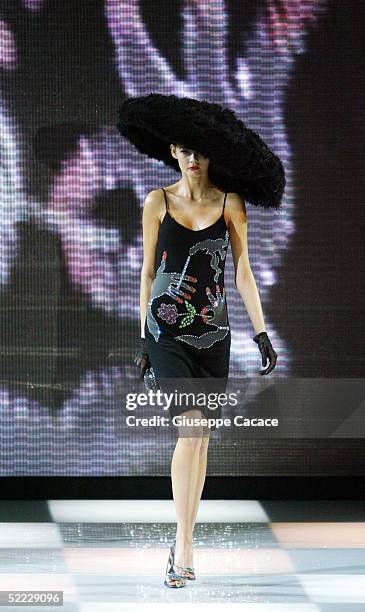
[(248, 555)]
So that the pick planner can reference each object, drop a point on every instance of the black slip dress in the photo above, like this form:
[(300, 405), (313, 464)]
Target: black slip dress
[(187, 329)]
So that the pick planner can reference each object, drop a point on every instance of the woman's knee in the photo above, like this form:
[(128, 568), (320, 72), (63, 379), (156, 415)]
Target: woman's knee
[(190, 424), (195, 441), (192, 443)]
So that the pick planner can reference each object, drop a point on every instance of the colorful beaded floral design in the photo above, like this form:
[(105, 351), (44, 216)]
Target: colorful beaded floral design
[(189, 318), (168, 312)]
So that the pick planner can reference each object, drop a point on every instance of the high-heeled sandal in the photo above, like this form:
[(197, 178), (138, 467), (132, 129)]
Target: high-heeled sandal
[(173, 579), (187, 572)]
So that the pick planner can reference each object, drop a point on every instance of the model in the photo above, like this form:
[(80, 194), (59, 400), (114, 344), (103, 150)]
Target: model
[(187, 228)]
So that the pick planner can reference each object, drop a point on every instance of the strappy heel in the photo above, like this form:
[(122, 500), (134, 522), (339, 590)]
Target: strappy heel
[(187, 572), (173, 579)]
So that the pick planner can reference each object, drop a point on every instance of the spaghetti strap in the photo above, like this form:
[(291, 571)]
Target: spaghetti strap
[(224, 203), (167, 206)]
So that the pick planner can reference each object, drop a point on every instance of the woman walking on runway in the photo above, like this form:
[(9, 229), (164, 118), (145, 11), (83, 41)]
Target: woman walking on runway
[(187, 228)]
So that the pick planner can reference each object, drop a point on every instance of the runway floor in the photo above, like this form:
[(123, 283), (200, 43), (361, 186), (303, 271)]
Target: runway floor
[(249, 555)]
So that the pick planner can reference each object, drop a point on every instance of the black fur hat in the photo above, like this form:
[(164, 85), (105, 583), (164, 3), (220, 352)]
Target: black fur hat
[(239, 160)]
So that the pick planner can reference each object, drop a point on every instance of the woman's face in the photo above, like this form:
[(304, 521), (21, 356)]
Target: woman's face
[(187, 159)]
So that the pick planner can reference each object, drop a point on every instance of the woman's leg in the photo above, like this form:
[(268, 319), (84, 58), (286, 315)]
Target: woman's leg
[(186, 476), (202, 470)]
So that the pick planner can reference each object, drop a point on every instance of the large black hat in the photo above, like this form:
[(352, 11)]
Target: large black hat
[(239, 160)]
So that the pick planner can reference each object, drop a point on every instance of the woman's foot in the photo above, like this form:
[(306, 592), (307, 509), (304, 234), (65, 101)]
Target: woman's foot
[(173, 578), (184, 558)]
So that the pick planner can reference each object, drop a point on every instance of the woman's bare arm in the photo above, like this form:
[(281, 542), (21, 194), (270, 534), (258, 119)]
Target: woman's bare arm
[(150, 225), (244, 278)]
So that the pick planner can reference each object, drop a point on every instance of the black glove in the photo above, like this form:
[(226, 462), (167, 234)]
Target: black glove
[(141, 358), (267, 352)]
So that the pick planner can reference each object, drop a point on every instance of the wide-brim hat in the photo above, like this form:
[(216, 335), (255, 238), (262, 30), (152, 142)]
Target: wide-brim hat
[(239, 160)]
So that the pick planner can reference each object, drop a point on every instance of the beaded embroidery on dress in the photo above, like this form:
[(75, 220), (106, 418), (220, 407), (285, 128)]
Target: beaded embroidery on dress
[(187, 293)]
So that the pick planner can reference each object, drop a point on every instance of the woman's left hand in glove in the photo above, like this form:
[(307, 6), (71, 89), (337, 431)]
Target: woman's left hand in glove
[(267, 352)]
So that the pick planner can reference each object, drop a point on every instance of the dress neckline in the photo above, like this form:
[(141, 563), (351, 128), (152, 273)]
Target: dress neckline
[(192, 230)]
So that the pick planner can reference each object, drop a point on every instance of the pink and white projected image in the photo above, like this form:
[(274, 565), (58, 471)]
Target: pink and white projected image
[(67, 342)]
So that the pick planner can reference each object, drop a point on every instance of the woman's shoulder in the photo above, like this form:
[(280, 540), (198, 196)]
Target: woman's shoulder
[(154, 204), (154, 195), (169, 188), (235, 209), (235, 202)]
